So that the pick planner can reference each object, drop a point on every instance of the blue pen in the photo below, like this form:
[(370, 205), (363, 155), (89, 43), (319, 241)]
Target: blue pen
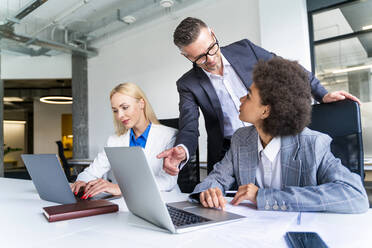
[(299, 218)]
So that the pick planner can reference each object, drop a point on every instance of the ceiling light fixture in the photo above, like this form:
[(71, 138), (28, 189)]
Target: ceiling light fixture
[(14, 122), (56, 99), (355, 68), (367, 27), (12, 99), (129, 19), (166, 3)]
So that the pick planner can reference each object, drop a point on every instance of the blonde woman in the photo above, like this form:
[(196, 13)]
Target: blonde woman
[(135, 125)]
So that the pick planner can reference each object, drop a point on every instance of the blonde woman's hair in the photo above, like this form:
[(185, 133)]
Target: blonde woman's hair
[(132, 90)]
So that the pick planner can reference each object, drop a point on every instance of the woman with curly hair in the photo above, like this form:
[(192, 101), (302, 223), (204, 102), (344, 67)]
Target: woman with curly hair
[(278, 163)]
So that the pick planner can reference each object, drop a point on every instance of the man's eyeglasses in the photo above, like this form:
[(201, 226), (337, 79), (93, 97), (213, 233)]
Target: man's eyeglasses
[(213, 49)]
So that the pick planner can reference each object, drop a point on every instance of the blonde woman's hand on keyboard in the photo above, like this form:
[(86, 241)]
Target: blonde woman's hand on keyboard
[(77, 186), (100, 185)]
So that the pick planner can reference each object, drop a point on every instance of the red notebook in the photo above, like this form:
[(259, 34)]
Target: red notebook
[(79, 209)]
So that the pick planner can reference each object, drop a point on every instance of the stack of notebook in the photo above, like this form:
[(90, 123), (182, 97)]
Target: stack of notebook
[(79, 209)]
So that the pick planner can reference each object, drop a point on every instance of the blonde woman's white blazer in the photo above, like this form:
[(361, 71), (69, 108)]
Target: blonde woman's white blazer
[(159, 139)]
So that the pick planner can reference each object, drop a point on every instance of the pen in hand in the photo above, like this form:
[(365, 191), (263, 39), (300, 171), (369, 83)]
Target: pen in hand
[(230, 193)]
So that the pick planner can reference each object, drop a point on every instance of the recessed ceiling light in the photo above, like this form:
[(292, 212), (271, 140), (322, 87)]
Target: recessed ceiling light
[(129, 19), (35, 47), (367, 27), (166, 3), (12, 99), (56, 99), (355, 68), (14, 122)]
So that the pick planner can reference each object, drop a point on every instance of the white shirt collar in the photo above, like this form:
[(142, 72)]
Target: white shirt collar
[(271, 150), (225, 64), (225, 61)]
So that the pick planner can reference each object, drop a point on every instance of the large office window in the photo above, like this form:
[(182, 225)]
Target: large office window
[(341, 40)]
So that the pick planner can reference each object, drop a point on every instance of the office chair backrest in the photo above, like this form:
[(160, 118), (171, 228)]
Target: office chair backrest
[(341, 120), (61, 153), (189, 176), (65, 164)]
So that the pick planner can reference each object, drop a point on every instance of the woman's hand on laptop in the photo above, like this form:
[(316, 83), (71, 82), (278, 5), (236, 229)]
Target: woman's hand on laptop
[(212, 198), (246, 192), (77, 186), (100, 185)]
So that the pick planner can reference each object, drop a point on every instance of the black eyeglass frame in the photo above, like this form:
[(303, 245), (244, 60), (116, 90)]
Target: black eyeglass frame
[(207, 53)]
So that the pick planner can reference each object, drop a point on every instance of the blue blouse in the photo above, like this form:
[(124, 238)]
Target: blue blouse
[(141, 140)]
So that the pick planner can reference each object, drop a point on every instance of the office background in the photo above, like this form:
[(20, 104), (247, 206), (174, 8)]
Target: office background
[(156, 67), (144, 53)]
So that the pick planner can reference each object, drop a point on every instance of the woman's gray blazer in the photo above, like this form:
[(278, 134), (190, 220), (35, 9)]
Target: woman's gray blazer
[(312, 179)]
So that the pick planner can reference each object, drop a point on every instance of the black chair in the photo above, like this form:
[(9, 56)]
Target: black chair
[(68, 168), (189, 176), (341, 120)]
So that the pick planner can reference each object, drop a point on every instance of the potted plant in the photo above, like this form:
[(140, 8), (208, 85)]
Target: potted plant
[(8, 149)]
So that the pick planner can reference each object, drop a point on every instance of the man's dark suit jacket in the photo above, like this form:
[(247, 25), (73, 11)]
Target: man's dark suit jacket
[(196, 91)]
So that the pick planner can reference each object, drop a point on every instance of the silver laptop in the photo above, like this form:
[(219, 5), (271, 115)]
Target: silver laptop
[(142, 196), (50, 180)]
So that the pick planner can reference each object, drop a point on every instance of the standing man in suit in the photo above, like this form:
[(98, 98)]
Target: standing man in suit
[(219, 78)]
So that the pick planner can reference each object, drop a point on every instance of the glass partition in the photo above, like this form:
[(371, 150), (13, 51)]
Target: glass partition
[(342, 55)]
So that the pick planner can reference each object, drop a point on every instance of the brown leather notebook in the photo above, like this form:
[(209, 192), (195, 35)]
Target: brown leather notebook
[(79, 209)]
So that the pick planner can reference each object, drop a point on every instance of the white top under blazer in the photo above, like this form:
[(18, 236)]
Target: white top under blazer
[(159, 139)]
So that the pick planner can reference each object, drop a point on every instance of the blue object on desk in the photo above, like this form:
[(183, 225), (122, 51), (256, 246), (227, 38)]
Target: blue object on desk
[(299, 218)]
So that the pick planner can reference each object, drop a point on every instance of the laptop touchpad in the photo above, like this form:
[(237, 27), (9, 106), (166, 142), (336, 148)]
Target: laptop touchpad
[(209, 213)]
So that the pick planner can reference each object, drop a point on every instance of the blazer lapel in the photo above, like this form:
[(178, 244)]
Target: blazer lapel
[(244, 70), (248, 160), (149, 142), (290, 162), (211, 92), (125, 138)]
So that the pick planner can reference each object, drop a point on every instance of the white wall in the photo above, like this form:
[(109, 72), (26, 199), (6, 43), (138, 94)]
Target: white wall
[(284, 29), (14, 66), (48, 126), (149, 58)]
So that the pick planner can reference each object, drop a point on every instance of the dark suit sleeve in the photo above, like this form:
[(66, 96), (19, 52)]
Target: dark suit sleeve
[(189, 118), (317, 90)]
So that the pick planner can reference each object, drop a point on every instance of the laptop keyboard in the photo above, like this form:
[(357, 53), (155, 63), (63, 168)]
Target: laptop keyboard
[(100, 196), (182, 218)]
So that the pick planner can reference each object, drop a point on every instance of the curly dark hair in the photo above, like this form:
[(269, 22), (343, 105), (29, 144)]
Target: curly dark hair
[(187, 31), (284, 86)]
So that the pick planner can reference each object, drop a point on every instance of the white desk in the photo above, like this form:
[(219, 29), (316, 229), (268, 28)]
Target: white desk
[(23, 225)]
